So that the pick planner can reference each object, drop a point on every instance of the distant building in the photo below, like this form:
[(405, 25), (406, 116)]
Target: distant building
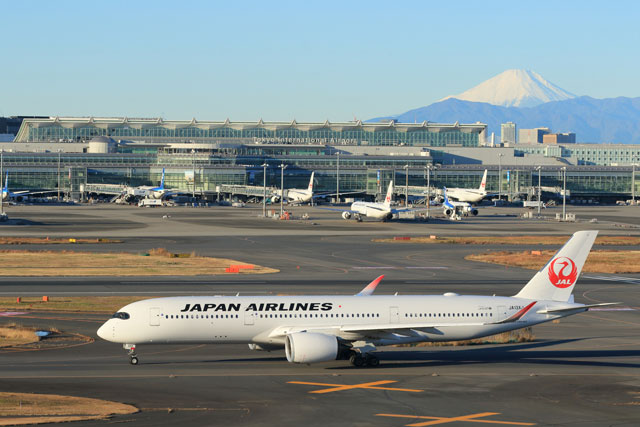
[(509, 135), (559, 138), (532, 136)]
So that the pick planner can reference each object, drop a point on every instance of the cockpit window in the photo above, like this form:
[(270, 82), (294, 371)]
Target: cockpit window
[(120, 315)]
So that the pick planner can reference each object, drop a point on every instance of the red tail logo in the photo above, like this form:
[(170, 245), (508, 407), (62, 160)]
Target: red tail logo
[(563, 272)]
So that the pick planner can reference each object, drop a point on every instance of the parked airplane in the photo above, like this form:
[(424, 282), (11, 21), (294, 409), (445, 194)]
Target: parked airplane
[(17, 196), (455, 209), (297, 195), (323, 328), (381, 211), (471, 195), (148, 191)]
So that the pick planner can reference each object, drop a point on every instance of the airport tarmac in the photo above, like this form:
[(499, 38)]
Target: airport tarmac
[(581, 371)]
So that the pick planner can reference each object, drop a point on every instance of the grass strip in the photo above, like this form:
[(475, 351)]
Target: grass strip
[(512, 240), (51, 241), (99, 304), (29, 408), (156, 262), (605, 261)]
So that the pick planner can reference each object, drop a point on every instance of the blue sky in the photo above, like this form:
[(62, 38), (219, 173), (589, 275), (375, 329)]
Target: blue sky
[(305, 60)]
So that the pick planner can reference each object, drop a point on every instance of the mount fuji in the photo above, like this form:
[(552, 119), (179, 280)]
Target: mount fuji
[(530, 101), (515, 88)]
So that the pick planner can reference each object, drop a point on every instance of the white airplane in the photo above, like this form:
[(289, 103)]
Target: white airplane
[(297, 195), (148, 191), (17, 196), (322, 328), (380, 211), (455, 209), (471, 195)]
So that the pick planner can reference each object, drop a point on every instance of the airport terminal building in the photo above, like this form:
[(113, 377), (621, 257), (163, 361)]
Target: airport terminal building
[(365, 156)]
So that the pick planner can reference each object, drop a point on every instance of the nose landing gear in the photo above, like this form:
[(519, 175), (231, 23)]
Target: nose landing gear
[(133, 357)]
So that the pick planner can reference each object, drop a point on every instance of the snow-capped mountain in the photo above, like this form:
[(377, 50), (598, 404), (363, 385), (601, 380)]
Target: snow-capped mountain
[(515, 88)]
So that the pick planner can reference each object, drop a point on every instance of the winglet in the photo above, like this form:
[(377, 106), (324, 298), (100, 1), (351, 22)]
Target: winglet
[(370, 288)]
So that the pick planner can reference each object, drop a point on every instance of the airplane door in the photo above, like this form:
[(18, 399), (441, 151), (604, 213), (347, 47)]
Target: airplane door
[(249, 317), (154, 316), (394, 315), (501, 313)]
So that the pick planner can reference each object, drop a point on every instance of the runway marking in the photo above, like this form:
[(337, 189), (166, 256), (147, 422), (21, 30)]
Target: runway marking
[(11, 313), (429, 268), (375, 268), (341, 387), (472, 418)]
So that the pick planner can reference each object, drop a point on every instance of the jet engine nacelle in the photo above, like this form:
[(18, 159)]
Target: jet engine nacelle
[(448, 212), (474, 211), (310, 347), (346, 215)]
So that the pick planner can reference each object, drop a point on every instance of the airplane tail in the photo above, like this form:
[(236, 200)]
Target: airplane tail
[(310, 188), (387, 199), (6, 183), (444, 192), (483, 183), (162, 181), (555, 281)]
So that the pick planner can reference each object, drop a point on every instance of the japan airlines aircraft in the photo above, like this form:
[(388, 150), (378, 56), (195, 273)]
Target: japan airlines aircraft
[(150, 192), (380, 211), (454, 209), (322, 328), (471, 195), (296, 195)]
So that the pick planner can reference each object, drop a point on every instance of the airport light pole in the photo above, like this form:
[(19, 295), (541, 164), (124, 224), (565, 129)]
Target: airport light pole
[(282, 168), (338, 177), (633, 184), (564, 193), (264, 190), (59, 150), (539, 169), (193, 164), (428, 189), (406, 185), (500, 176)]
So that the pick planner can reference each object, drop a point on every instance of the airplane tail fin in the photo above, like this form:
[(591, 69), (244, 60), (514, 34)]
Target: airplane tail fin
[(6, 183), (162, 181), (310, 188), (444, 192), (483, 183), (555, 281), (387, 199)]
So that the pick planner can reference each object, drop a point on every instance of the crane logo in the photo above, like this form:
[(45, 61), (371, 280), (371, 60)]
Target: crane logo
[(563, 272)]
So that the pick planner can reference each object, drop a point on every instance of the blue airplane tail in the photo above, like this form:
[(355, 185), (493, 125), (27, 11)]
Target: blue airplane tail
[(5, 189), (162, 182)]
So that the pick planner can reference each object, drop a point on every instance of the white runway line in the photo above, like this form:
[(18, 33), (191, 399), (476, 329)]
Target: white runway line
[(615, 279)]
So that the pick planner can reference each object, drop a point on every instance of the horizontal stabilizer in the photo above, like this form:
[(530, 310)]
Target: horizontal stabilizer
[(370, 288), (576, 307)]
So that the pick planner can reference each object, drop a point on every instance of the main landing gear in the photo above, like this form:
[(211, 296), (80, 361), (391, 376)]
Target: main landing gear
[(133, 357), (360, 360)]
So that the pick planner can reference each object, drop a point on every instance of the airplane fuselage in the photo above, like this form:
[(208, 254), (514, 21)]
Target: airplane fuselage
[(267, 320), (372, 210), (466, 195)]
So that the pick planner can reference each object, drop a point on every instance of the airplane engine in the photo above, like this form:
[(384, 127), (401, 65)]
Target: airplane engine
[(448, 212), (310, 347), (474, 212), (388, 217), (346, 215)]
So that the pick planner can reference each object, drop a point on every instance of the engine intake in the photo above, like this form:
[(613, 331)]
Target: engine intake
[(346, 215), (310, 347)]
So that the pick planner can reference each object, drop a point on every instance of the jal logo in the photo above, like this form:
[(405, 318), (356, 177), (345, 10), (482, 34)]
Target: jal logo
[(563, 272)]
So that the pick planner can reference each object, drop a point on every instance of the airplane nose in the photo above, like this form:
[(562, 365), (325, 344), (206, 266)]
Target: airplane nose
[(103, 332)]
